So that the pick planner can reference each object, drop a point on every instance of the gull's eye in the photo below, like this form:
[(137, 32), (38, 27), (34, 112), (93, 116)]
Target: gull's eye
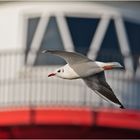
[(59, 71)]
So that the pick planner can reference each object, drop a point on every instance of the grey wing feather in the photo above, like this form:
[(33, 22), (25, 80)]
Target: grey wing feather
[(98, 83), (70, 57)]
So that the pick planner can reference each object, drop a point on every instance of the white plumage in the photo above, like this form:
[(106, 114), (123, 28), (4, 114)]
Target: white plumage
[(91, 72)]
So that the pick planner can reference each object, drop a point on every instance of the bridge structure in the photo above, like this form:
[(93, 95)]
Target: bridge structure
[(33, 106)]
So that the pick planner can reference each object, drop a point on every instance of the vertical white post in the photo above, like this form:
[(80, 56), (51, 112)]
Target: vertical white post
[(124, 45), (64, 32), (98, 37), (38, 36)]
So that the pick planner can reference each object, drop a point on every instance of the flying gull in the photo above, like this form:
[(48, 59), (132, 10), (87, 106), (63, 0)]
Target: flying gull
[(91, 72)]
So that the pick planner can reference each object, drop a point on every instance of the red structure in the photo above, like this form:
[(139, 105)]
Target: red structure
[(60, 122)]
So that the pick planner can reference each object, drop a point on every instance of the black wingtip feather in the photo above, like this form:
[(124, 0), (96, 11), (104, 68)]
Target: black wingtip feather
[(122, 107)]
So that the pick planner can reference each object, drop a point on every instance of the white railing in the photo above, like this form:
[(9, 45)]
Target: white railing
[(22, 85)]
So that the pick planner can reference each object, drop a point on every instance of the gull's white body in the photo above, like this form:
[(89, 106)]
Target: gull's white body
[(69, 73), (92, 73)]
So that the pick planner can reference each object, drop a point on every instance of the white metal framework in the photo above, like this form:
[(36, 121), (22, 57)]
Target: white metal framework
[(21, 86), (105, 14)]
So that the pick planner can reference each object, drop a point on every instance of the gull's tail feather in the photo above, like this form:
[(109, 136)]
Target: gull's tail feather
[(112, 65), (115, 64)]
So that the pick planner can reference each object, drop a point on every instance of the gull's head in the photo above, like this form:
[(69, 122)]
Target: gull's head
[(65, 72), (58, 72)]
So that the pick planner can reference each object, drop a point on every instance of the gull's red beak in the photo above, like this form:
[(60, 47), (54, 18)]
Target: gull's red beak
[(51, 74)]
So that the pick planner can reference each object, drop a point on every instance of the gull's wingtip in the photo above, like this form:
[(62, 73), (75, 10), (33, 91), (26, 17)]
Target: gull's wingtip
[(122, 107), (47, 51), (44, 51)]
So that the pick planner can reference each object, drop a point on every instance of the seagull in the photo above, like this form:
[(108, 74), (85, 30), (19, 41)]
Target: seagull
[(91, 72)]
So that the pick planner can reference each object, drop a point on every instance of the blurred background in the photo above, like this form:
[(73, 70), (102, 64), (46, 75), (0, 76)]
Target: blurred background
[(35, 106)]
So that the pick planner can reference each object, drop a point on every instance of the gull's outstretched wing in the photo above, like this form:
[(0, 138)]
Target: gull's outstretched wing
[(70, 57), (98, 84)]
